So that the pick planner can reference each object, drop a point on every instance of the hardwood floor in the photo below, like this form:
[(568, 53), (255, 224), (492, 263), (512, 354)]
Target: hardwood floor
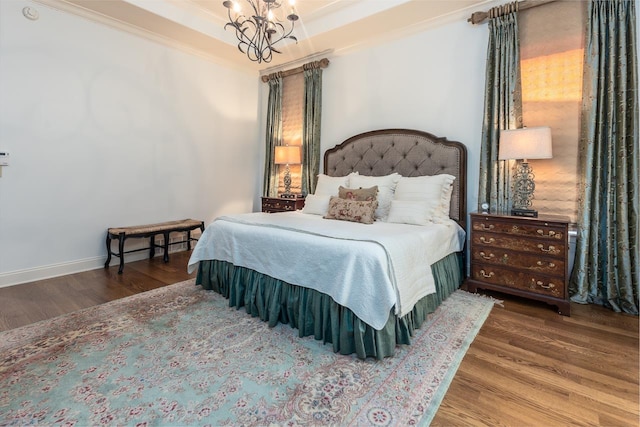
[(528, 366), (44, 299)]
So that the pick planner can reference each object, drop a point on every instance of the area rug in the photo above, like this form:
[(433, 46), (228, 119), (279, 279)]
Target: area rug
[(179, 355)]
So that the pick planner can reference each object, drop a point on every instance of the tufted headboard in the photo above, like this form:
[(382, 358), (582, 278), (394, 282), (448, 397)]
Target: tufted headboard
[(407, 152)]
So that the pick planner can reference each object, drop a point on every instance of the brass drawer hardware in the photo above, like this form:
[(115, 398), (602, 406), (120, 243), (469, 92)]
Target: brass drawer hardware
[(526, 257), (485, 256), (542, 285), (550, 234), (549, 264)]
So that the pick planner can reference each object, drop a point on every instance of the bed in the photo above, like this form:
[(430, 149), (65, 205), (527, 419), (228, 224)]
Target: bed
[(363, 284)]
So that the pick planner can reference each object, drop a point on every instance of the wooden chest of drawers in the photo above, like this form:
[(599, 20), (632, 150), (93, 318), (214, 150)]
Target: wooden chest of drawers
[(527, 257), (281, 204)]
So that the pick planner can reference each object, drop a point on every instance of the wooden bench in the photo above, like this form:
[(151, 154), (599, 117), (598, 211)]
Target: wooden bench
[(151, 231)]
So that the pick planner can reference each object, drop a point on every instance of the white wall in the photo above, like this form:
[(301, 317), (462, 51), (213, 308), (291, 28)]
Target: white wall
[(432, 81), (108, 129)]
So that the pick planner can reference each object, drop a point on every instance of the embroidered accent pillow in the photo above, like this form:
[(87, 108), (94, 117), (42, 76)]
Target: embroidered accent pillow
[(362, 211), (386, 186), (362, 194)]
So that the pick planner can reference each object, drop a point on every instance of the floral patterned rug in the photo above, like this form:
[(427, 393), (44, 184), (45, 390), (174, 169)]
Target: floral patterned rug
[(179, 355)]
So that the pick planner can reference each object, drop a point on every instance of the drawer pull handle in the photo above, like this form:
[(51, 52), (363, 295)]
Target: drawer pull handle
[(551, 264), (485, 256), (551, 248), (542, 285), (489, 240), (485, 227), (483, 274), (551, 233)]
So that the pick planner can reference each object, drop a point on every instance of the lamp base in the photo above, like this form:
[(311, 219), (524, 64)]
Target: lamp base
[(531, 213)]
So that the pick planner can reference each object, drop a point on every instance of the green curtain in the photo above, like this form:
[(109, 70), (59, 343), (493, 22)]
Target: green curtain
[(311, 127), (606, 264), (273, 136), (502, 106)]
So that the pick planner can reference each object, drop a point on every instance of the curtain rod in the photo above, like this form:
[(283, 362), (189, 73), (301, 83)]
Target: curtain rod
[(323, 63), (479, 17)]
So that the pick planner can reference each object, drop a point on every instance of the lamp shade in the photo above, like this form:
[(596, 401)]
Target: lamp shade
[(525, 143), (287, 155)]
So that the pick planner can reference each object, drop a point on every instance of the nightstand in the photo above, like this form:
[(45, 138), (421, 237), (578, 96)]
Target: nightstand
[(527, 257), (281, 204)]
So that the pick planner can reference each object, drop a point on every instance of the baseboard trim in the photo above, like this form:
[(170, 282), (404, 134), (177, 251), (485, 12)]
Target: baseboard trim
[(20, 277)]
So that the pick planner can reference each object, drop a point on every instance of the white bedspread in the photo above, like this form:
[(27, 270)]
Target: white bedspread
[(368, 268)]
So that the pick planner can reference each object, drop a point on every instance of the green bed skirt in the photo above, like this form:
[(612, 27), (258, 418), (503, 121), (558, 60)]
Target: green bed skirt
[(317, 314)]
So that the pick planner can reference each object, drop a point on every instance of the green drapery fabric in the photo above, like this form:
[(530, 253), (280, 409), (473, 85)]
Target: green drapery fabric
[(606, 267), (318, 315), (311, 128), (502, 110), (273, 136)]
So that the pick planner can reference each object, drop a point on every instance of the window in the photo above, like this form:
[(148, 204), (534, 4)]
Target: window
[(292, 111), (551, 54)]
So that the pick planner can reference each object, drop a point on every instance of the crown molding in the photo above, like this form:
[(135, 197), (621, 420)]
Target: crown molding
[(99, 18)]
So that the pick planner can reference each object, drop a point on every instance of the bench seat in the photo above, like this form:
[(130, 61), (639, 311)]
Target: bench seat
[(151, 231)]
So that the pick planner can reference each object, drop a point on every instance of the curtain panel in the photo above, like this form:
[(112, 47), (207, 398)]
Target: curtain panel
[(606, 268), (273, 137), (502, 107), (311, 128)]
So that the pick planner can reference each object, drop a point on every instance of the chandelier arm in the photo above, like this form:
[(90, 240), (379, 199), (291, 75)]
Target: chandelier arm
[(253, 5), (258, 33), (284, 35), (241, 26)]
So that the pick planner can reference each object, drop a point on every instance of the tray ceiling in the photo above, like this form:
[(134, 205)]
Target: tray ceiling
[(325, 25)]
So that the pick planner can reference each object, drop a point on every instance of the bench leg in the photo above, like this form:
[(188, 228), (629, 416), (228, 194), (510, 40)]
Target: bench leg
[(166, 246), (121, 238), (106, 264), (152, 246), (201, 231), (188, 240)]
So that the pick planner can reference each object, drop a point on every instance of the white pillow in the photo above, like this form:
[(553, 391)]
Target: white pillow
[(446, 200), (316, 204), (386, 186), (328, 185), (434, 189), (410, 212)]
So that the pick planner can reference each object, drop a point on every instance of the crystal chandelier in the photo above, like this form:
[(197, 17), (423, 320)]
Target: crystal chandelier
[(260, 29)]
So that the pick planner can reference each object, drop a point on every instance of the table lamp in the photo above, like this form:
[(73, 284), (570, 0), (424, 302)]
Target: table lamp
[(287, 155), (522, 145)]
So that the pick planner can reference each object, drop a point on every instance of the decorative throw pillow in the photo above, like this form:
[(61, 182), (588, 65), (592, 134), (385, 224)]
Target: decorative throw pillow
[(414, 212), (328, 185), (386, 186), (316, 204), (436, 190), (362, 211), (362, 194)]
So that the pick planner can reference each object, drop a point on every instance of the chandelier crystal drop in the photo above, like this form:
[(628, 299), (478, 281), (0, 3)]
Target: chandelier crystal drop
[(260, 29)]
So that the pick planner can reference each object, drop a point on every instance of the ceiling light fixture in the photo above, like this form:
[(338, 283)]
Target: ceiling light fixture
[(261, 29)]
